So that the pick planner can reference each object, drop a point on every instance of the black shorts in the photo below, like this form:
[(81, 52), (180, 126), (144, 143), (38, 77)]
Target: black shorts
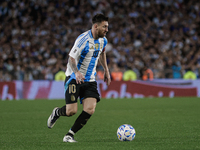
[(73, 91)]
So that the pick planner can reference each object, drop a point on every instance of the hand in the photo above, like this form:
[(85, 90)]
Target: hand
[(79, 77), (107, 78)]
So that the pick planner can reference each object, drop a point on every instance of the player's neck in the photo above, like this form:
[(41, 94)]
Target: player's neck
[(94, 35)]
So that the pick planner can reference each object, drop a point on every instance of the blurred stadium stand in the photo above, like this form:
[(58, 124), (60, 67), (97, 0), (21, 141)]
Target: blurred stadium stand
[(162, 35)]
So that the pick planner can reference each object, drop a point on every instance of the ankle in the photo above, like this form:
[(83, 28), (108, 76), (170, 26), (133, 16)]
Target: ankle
[(70, 133)]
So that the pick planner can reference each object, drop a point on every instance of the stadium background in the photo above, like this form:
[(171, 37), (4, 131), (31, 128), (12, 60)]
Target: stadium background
[(148, 41), (160, 35)]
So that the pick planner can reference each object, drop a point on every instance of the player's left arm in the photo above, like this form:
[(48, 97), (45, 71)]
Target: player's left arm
[(103, 61)]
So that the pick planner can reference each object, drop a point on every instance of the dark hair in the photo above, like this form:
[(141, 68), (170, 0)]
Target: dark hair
[(98, 18)]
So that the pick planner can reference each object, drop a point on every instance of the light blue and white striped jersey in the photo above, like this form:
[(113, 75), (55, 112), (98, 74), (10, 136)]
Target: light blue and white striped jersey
[(86, 52)]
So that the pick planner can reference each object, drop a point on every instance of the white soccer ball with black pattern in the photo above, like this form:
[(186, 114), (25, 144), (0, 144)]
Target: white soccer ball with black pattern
[(126, 132)]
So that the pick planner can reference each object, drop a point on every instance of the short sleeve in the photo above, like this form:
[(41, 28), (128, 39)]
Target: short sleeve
[(76, 49)]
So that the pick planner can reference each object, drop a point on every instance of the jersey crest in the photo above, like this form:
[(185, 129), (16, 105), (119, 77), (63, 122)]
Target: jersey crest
[(96, 46)]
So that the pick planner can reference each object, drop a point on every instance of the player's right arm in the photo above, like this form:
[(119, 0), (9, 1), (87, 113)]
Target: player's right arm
[(73, 55), (78, 74)]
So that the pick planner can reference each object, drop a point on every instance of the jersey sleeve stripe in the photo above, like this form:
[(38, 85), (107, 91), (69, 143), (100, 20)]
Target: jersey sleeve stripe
[(82, 40), (80, 36)]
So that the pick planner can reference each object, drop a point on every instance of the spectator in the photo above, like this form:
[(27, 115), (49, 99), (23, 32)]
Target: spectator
[(60, 76), (116, 73), (147, 74), (189, 75), (100, 74), (39, 33), (129, 75)]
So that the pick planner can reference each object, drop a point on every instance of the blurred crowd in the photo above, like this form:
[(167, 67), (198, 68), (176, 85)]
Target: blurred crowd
[(148, 37)]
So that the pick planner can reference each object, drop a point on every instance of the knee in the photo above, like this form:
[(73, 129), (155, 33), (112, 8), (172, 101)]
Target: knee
[(71, 112), (89, 105), (90, 110)]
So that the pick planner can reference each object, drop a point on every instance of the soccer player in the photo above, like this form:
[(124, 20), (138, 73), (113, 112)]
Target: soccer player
[(88, 48)]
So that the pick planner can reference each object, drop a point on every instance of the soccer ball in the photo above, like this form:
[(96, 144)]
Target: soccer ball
[(126, 132)]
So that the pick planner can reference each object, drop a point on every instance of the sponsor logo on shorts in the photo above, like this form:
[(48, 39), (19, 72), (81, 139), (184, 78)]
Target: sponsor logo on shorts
[(72, 98)]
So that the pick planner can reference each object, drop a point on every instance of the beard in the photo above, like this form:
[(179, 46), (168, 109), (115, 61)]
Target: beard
[(101, 34)]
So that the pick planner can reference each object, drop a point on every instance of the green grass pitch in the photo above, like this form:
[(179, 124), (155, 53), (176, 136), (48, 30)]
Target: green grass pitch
[(160, 124)]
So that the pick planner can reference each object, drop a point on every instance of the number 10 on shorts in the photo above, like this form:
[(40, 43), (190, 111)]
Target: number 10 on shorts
[(72, 88)]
